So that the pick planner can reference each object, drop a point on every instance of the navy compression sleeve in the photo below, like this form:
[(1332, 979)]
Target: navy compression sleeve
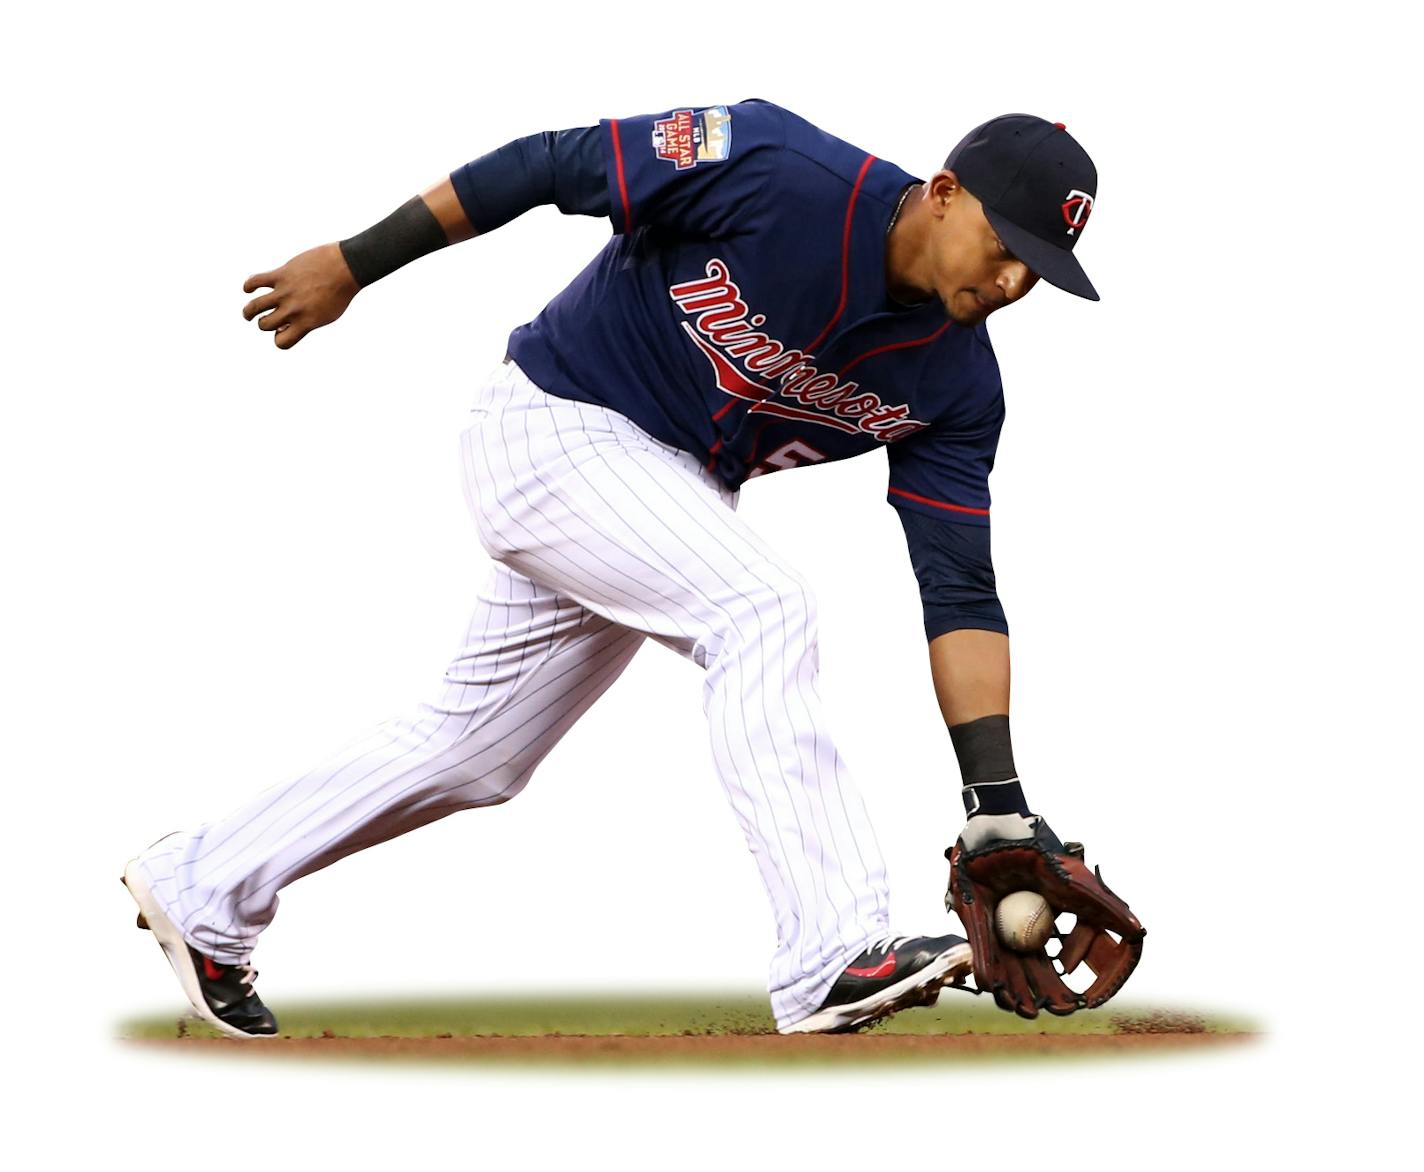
[(956, 575), (561, 167)]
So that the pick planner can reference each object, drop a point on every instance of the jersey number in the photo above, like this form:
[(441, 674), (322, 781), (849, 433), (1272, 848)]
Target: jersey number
[(796, 454)]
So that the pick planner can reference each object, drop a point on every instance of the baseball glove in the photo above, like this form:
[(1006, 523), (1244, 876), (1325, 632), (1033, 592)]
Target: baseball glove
[(1106, 938)]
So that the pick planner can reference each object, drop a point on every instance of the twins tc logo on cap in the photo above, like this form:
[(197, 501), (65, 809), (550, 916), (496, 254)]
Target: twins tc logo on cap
[(1077, 207)]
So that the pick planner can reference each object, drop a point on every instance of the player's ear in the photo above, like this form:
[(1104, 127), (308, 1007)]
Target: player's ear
[(943, 187)]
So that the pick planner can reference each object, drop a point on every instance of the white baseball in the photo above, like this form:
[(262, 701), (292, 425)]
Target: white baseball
[(1024, 921)]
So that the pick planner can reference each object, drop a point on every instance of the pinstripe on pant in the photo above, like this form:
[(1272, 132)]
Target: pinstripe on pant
[(601, 535)]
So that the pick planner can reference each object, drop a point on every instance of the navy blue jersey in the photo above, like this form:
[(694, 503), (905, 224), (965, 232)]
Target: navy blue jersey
[(740, 312)]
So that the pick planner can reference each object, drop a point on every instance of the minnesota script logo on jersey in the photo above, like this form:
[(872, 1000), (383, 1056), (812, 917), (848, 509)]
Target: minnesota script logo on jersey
[(689, 137), (723, 329)]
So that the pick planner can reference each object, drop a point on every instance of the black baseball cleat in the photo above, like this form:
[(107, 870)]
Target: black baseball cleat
[(892, 974), (222, 994)]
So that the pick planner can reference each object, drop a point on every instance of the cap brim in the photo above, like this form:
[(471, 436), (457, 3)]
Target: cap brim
[(1057, 266)]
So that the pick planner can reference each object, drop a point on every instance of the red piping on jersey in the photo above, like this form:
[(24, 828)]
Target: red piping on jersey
[(845, 255), (715, 448), (622, 179), (894, 346), (729, 404), (924, 500)]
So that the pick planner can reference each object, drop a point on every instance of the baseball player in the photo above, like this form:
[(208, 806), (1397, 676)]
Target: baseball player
[(771, 297)]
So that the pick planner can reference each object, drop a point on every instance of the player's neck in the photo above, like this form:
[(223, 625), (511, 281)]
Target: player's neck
[(904, 253)]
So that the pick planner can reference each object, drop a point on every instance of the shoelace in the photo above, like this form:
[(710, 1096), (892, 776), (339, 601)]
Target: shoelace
[(887, 944), (247, 977)]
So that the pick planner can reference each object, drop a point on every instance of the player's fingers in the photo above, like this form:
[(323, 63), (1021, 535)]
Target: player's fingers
[(259, 281), (278, 318), (289, 335), (259, 305)]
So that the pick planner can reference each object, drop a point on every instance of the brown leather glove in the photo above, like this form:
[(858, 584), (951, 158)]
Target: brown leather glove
[(1028, 982)]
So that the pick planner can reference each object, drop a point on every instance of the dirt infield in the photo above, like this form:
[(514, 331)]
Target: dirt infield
[(712, 1031), (757, 1050)]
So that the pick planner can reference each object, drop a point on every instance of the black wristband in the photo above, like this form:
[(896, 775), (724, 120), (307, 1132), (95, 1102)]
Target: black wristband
[(986, 765), (407, 234)]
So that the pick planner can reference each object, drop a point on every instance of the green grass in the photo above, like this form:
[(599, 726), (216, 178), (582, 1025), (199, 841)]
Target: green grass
[(664, 1015)]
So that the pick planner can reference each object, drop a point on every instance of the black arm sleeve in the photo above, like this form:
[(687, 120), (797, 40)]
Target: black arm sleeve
[(561, 167), (407, 234), (956, 575)]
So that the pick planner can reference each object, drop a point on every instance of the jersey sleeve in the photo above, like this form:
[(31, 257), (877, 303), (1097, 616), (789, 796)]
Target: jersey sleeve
[(955, 570), (944, 471), (561, 167), (697, 170)]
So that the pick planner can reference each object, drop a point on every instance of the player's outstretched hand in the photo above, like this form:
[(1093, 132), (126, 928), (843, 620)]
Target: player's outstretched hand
[(311, 290)]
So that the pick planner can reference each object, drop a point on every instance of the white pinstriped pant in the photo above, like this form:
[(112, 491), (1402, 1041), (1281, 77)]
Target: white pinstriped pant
[(601, 535)]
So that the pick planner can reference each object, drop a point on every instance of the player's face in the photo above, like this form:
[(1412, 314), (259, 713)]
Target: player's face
[(973, 272)]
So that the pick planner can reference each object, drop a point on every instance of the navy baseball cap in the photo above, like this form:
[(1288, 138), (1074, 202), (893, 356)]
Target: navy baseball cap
[(1037, 186)]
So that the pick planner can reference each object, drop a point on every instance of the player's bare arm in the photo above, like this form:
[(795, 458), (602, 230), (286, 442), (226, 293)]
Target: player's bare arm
[(971, 674), (314, 288), (444, 205), (562, 168)]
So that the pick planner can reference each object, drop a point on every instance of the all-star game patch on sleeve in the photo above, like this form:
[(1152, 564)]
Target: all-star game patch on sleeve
[(944, 470), (698, 170)]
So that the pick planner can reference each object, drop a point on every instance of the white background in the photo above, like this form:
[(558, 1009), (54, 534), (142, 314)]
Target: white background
[(225, 561)]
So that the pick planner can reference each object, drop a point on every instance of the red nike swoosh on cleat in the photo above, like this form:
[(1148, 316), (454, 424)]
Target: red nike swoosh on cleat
[(211, 971), (883, 969)]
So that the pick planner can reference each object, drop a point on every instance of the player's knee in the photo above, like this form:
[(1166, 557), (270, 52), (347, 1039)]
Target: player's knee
[(779, 608), (490, 539), (798, 605), (490, 787)]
